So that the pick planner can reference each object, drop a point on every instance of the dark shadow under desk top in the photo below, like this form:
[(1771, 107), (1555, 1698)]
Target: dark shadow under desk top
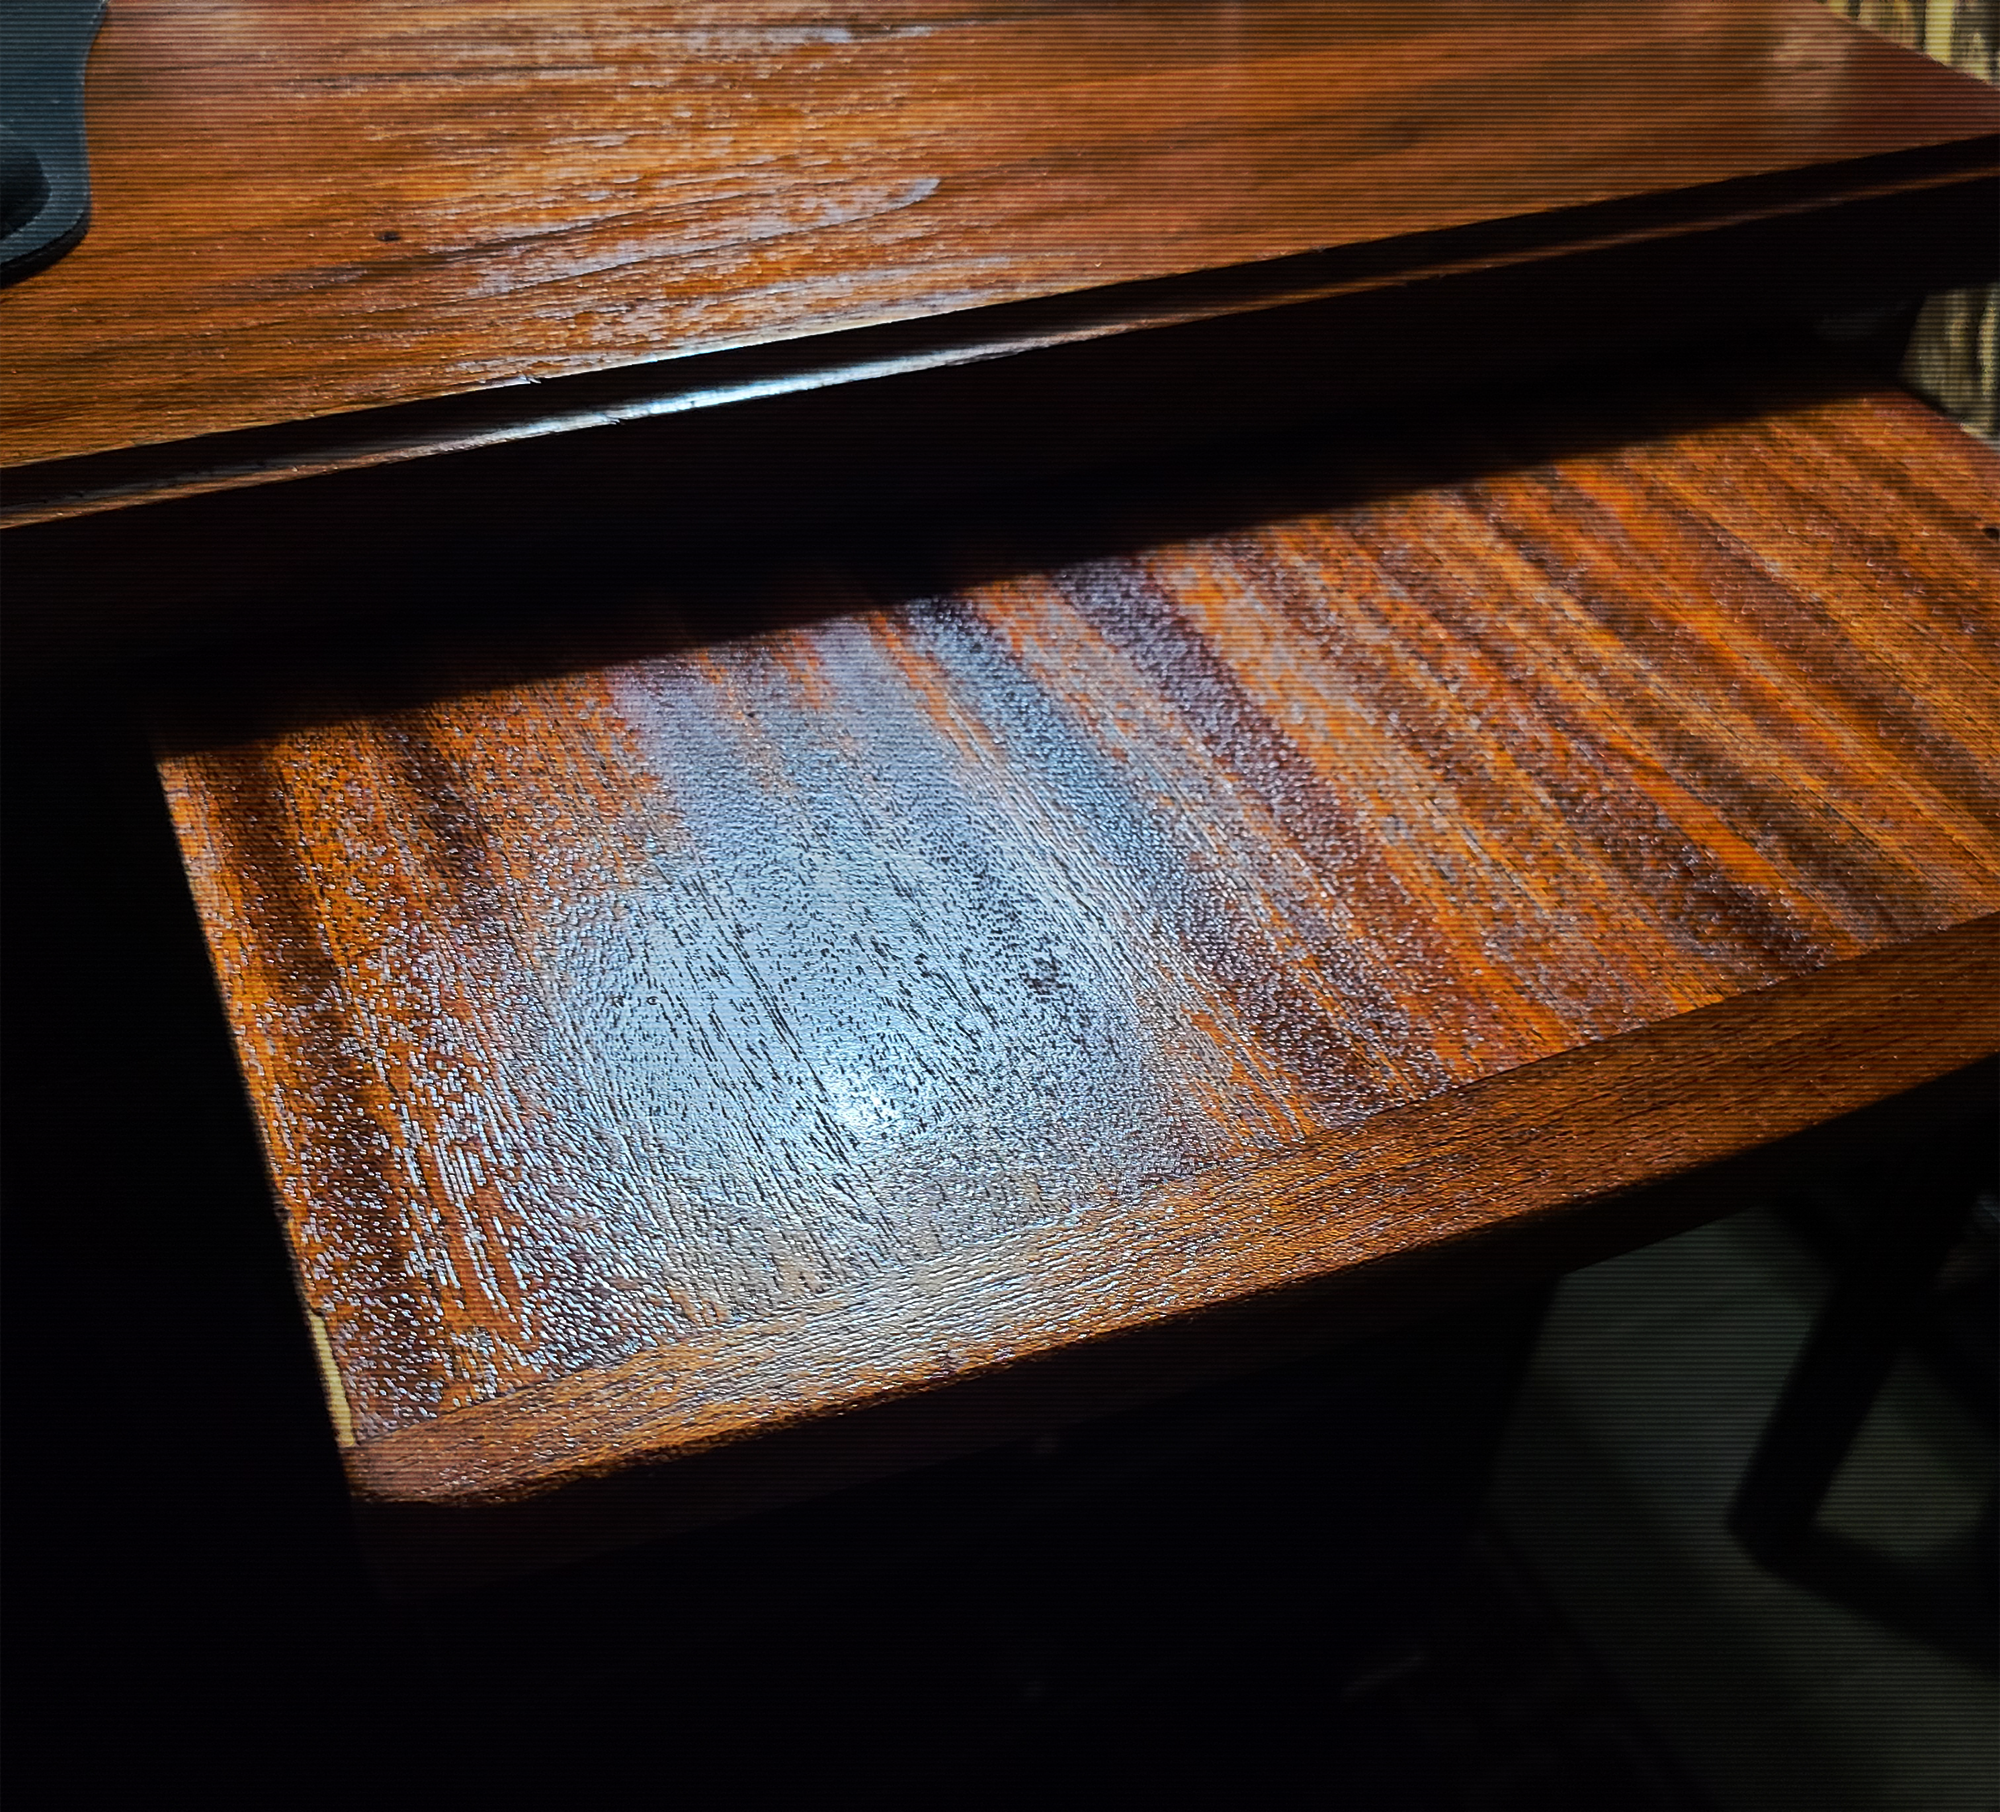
[(756, 994)]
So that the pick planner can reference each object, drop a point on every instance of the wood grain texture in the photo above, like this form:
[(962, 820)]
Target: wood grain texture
[(766, 993), (305, 211)]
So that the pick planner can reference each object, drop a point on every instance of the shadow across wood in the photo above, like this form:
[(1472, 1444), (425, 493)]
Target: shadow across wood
[(536, 601), (761, 458)]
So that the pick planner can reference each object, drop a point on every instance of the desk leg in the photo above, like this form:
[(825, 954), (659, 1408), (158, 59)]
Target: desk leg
[(1875, 1309)]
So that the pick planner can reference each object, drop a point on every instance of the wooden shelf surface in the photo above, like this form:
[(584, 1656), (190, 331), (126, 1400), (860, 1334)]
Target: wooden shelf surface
[(737, 996), (334, 235)]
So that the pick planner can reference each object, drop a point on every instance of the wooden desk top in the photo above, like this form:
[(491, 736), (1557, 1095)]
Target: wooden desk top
[(312, 214), (731, 1001)]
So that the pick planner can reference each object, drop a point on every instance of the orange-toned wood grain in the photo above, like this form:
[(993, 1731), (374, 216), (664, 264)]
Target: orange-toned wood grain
[(909, 960), (308, 209)]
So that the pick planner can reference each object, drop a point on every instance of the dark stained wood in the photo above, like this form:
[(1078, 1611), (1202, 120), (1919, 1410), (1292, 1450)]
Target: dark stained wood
[(316, 215), (771, 994)]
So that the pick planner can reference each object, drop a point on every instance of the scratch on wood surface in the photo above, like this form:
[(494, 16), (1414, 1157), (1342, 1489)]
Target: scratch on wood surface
[(329, 1375)]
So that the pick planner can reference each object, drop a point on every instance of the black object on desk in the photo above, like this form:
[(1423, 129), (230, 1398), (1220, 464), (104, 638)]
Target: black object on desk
[(44, 161)]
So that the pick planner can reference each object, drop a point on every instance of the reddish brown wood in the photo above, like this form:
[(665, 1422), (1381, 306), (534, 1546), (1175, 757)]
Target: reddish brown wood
[(310, 213), (781, 992), (1565, 1135)]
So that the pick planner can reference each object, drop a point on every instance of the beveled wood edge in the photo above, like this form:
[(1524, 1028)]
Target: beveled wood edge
[(1515, 1158), (418, 1549), (90, 484)]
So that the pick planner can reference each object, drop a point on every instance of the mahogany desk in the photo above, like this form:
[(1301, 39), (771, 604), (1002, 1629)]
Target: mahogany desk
[(718, 268), (727, 1019)]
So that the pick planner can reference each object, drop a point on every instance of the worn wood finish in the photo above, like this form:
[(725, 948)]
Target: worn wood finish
[(308, 212), (770, 994)]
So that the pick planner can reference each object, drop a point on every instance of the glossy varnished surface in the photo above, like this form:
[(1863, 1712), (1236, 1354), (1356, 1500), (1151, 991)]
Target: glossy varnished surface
[(778, 992), (303, 211)]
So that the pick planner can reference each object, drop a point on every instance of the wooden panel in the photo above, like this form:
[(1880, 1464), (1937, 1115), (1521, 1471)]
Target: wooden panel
[(798, 987), (309, 210)]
